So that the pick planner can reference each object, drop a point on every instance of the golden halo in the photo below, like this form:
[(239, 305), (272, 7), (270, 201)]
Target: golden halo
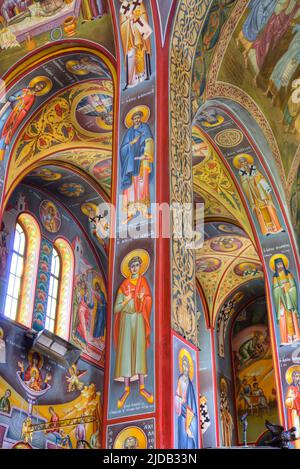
[(40, 79), (223, 385), (289, 372), (143, 109), (220, 120), (102, 125), (279, 256), (1, 333), (88, 207), (47, 176), (80, 71), (143, 254), (237, 158), (185, 353), (127, 432)]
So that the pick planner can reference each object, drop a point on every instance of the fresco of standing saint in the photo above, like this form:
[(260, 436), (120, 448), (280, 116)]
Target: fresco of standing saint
[(17, 107), (132, 328), (186, 404), (135, 35), (285, 299), (292, 400), (137, 155), (258, 193)]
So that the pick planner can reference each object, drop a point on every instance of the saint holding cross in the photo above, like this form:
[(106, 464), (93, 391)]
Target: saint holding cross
[(135, 33)]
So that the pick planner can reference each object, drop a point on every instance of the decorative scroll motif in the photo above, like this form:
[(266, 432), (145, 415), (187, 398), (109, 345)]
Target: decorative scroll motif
[(189, 20), (60, 124), (40, 307)]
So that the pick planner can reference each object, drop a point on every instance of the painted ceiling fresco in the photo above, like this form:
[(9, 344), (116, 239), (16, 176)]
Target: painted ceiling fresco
[(213, 183), (96, 163), (226, 261), (79, 198), (248, 53), (25, 26), (77, 115)]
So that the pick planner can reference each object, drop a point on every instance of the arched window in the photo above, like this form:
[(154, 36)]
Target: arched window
[(60, 289), (52, 304), (15, 273), (23, 270)]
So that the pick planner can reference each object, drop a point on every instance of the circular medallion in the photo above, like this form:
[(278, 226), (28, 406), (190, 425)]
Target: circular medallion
[(248, 269), (71, 189), (50, 216), (208, 264), (226, 244), (131, 438), (229, 138)]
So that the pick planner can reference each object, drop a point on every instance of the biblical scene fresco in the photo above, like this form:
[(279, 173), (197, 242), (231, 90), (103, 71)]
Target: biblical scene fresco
[(226, 261), (255, 388), (88, 327), (132, 435), (27, 26), (209, 37), (265, 45), (42, 403), (186, 398), (254, 63)]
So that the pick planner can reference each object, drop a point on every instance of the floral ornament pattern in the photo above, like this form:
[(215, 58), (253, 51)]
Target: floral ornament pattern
[(71, 189), (189, 20)]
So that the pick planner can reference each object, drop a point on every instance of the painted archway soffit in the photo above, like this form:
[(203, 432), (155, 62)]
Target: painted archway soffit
[(78, 115), (212, 181), (255, 65), (226, 261)]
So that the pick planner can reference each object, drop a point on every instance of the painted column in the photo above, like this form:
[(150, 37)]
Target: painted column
[(42, 285), (130, 409)]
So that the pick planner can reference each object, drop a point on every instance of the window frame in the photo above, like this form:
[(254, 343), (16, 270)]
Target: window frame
[(24, 256)]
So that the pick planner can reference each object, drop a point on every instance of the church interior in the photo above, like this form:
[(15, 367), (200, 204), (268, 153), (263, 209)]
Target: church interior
[(150, 223)]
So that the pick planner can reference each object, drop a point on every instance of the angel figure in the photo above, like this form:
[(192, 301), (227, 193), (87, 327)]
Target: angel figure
[(73, 379)]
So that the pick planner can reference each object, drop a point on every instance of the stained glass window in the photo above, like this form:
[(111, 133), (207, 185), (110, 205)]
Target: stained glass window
[(15, 273)]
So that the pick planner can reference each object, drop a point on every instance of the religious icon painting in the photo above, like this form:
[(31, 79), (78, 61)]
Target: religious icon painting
[(71, 189), (258, 193), (285, 298), (185, 395), (132, 435), (292, 400), (136, 34), (248, 269), (132, 353), (94, 112), (226, 244), (136, 164), (208, 264), (50, 216)]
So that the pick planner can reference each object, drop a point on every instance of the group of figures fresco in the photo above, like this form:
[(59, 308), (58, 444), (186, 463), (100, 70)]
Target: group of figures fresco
[(253, 369), (41, 404)]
